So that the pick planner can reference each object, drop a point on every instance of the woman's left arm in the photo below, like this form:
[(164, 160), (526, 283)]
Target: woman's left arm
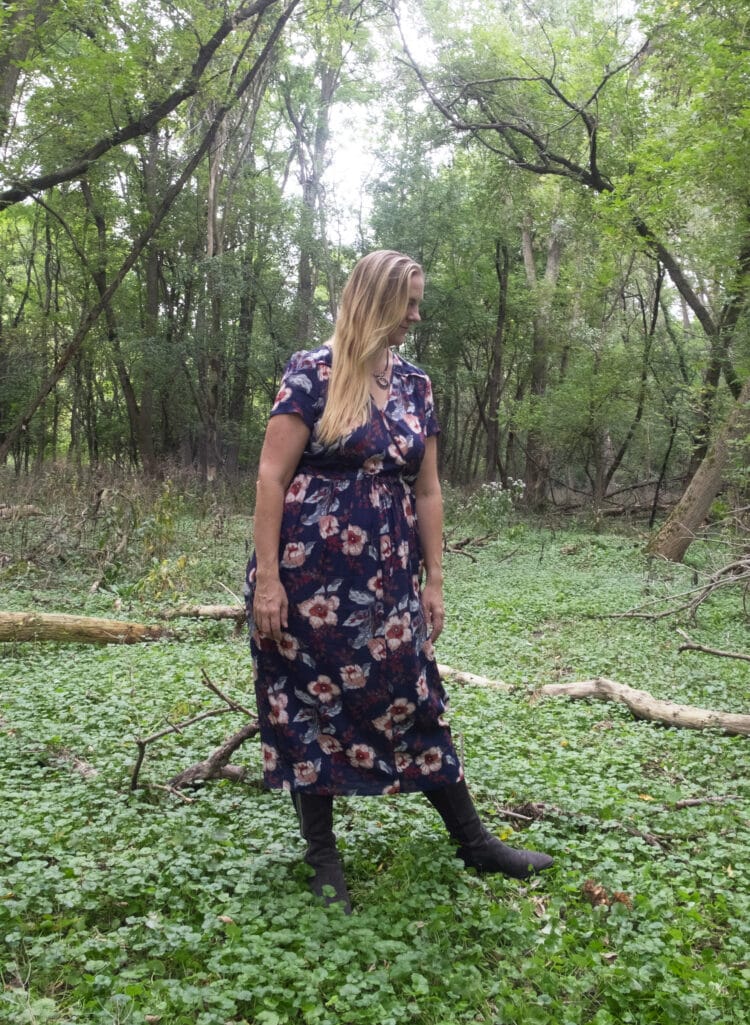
[(429, 509)]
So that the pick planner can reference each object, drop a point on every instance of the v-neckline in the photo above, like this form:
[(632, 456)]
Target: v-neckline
[(395, 360)]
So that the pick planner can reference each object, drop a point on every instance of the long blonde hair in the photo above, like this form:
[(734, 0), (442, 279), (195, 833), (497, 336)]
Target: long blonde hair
[(373, 303)]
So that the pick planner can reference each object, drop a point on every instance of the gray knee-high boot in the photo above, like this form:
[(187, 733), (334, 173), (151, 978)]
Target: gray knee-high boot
[(315, 813), (478, 848)]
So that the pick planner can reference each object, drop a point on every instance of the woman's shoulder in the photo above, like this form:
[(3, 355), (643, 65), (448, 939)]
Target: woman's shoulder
[(310, 359), (406, 369)]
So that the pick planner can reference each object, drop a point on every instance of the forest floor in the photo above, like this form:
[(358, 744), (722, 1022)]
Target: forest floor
[(144, 907)]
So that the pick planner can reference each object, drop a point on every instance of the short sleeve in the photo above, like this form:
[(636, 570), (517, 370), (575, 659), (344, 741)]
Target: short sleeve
[(300, 389), (431, 425)]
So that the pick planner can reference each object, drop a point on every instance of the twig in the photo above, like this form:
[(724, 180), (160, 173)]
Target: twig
[(513, 814), (236, 597), (691, 645), (172, 791), (234, 705), (693, 802), (541, 809), (143, 742)]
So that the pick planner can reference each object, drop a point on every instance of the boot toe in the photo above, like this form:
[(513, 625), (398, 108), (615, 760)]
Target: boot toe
[(495, 856)]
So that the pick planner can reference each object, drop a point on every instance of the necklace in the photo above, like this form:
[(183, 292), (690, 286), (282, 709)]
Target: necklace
[(382, 380)]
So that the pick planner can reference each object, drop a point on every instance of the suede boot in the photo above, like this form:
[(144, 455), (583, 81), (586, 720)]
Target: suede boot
[(315, 813), (478, 848)]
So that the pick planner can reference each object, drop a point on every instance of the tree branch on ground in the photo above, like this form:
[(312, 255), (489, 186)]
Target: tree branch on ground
[(216, 766), (691, 645), (645, 706), (235, 612), (734, 573), (49, 626), (19, 512)]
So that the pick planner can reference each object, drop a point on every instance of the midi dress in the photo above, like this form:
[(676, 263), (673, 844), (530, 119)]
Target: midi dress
[(350, 700)]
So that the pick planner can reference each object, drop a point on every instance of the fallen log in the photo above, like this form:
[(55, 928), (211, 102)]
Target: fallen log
[(457, 676), (48, 626), (235, 612), (645, 706), (17, 512)]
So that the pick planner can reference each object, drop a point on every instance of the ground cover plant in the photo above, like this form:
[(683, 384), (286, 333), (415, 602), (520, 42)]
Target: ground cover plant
[(134, 907)]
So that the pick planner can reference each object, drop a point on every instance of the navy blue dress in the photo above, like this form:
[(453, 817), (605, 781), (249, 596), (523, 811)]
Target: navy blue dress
[(350, 700)]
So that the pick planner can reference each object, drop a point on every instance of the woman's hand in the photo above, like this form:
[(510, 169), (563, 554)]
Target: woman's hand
[(434, 609), (270, 608)]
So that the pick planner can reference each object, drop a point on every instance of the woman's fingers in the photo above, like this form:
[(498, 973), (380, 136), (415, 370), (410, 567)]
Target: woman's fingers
[(271, 611)]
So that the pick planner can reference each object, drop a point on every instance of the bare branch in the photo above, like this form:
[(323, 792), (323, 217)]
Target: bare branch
[(691, 645)]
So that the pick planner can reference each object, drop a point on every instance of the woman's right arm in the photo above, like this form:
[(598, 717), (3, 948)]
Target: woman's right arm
[(286, 437)]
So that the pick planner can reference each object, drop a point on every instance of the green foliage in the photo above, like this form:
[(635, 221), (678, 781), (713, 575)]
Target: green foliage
[(131, 907), (488, 508)]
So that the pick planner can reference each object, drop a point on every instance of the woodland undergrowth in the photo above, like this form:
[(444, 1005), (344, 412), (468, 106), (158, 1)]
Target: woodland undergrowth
[(135, 907)]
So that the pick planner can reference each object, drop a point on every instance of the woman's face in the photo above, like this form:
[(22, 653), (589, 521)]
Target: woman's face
[(411, 313)]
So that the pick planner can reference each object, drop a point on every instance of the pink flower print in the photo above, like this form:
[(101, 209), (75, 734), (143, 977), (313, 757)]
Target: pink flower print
[(428, 650), (401, 709), (328, 526), (392, 788), (430, 760), (384, 724), (408, 507), (298, 488), (373, 465), (324, 371), (353, 677), (294, 555), (288, 646), (397, 448), (320, 610), (328, 744), (362, 756), (353, 540), (377, 648), (413, 422), (305, 773), (283, 394), (270, 757), (324, 689), (403, 553), (403, 761), (398, 631), (376, 584), (386, 548), (278, 703), (422, 690)]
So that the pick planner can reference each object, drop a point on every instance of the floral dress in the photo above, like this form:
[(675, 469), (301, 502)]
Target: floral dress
[(350, 700)]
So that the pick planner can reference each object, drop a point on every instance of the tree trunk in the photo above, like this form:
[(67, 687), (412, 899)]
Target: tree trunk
[(20, 25), (494, 383), (684, 522), (536, 476)]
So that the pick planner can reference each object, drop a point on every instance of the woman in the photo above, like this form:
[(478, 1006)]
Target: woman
[(348, 516)]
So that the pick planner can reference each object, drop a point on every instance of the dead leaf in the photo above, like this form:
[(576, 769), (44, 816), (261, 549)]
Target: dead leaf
[(595, 893)]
